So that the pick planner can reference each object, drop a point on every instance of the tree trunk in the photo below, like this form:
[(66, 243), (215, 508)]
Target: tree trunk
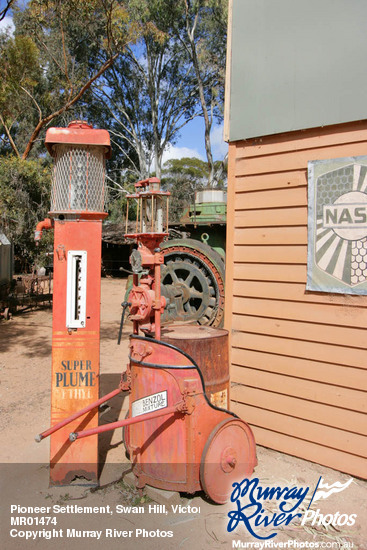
[(67, 106), (208, 121)]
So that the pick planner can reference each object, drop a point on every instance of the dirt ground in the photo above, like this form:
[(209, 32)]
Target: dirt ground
[(25, 365)]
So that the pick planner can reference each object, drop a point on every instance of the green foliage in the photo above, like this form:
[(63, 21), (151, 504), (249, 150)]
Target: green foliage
[(24, 201), (74, 59), (187, 169), (118, 204), (58, 50), (182, 177), (210, 41), (19, 66), (149, 94), (20, 76), (203, 33)]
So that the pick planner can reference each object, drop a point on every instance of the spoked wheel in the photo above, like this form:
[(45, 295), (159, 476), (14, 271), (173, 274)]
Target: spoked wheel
[(229, 455), (193, 281)]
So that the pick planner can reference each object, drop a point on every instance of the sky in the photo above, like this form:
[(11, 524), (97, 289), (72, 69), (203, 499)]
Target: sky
[(191, 138), (191, 142), (7, 21)]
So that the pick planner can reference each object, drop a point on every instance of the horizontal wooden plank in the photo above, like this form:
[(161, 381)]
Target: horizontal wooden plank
[(268, 272), (311, 332), (293, 406), (304, 429), (286, 290), (309, 139), (277, 180), (273, 235), (317, 392), (339, 375), (351, 314), (339, 460), (297, 348), (277, 254), (279, 198), (274, 217), (295, 160)]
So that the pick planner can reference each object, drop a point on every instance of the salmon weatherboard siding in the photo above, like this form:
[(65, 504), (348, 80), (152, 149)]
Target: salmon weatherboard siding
[(299, 358)]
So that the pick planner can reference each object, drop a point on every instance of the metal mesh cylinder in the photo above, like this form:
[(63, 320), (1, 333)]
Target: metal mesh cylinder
[(79, 179)]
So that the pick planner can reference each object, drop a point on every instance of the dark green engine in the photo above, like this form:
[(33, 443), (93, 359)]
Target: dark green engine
[(205, 220), (194, 272)]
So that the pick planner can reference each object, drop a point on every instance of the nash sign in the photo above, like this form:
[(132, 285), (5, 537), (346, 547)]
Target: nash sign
[(337, 226)]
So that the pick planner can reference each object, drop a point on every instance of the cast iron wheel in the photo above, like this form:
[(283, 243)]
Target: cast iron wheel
[(229, 455), (193, 281)]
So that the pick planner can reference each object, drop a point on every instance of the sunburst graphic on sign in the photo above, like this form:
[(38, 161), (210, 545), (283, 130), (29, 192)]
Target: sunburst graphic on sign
[(341, 234)]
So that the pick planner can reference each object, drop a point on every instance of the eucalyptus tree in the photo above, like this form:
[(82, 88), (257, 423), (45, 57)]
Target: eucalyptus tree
[(201, 27), (150, 91), (5, 9), (196, 34), (48, 64), (203, 33), (183, 177)]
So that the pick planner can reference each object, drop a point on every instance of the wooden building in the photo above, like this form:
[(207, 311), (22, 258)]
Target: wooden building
[(296, 93)]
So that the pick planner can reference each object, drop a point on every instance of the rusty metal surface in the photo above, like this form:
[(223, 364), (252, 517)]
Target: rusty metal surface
[(229, 455), (193, 278), (167, 452), (77, 414), (209, 348), (78, 133), (75, 355)]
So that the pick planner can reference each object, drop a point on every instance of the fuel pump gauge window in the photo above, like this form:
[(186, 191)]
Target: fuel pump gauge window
[(76, 295)]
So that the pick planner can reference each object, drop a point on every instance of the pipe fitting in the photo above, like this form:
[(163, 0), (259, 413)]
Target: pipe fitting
[(47, 223)]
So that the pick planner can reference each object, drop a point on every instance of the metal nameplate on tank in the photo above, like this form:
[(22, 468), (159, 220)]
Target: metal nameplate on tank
[(150, 403)]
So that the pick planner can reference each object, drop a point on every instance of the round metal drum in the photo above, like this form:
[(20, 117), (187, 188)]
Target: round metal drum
[(209, 348), (229, 455)]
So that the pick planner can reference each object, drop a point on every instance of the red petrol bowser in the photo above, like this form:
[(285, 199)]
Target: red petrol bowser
[(177, 435), (77, 211)]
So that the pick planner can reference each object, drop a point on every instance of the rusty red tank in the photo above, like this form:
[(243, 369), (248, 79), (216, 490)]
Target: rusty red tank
[(199, 446), (209, 348)]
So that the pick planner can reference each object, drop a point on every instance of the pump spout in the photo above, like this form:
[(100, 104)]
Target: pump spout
[(47, 223)]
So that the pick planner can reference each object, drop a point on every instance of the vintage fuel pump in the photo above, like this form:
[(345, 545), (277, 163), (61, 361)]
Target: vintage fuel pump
[(77, 211), (177, 436)]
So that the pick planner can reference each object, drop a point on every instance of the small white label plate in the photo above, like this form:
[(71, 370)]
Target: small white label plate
[(150, 403)]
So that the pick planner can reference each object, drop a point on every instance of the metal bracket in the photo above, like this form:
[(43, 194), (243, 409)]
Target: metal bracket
[(141, 350), (61, 253)]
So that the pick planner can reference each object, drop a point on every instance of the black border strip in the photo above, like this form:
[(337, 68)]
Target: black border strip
[(194, 366), (156, 366)]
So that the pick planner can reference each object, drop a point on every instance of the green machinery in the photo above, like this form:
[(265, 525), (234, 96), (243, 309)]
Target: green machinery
[(194, 272)]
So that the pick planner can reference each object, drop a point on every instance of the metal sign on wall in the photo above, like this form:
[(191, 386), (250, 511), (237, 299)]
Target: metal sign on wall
[(337, 225)]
